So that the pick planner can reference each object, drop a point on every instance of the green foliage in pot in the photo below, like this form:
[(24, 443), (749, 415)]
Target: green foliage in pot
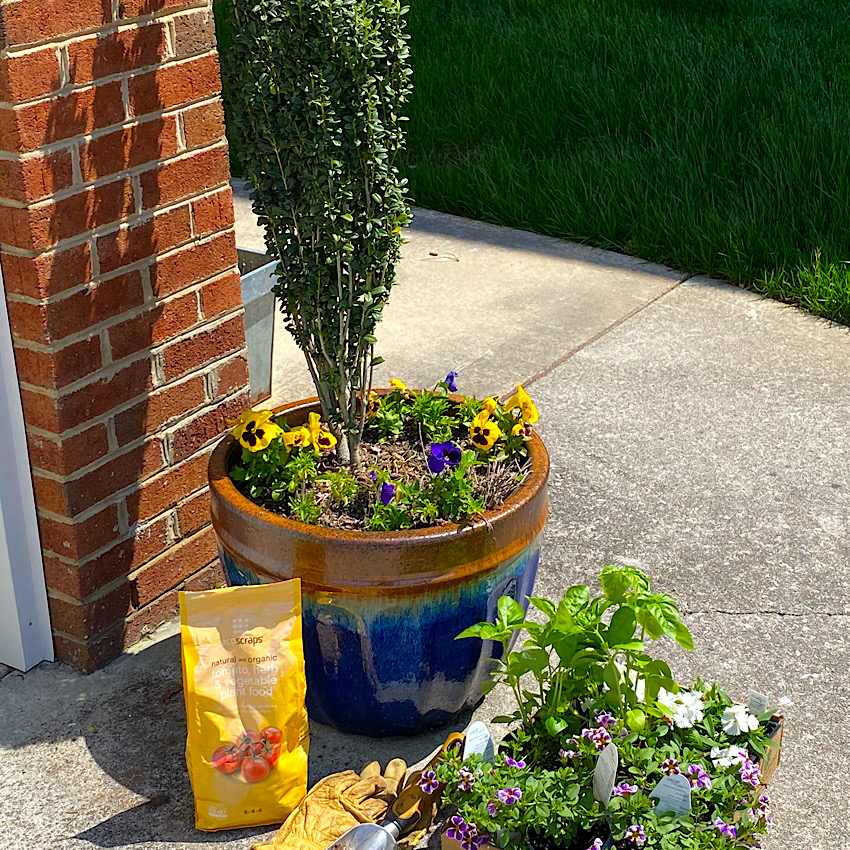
[(318, 90), (583, 683)]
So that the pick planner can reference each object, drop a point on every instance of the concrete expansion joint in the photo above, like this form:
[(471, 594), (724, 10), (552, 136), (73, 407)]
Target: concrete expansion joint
[(769, 612), (561, 360)]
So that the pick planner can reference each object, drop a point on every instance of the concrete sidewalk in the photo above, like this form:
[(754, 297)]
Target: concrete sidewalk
[(695, 430)]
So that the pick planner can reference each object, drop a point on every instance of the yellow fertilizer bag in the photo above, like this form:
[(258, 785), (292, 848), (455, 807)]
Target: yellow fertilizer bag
[(244, 686)]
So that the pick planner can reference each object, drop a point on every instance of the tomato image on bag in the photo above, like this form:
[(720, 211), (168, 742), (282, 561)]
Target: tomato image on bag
[(244, 686)]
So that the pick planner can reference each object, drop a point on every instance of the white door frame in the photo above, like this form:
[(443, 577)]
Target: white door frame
[(25, 637)]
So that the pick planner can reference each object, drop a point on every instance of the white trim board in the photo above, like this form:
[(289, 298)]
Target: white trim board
[(25, 637)]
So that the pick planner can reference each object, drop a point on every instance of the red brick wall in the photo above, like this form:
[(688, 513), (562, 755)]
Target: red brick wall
[(118, 257)]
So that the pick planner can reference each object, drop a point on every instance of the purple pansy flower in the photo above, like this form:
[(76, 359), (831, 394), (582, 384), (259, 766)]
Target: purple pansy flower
[(450, 381), (727, 829), (509, 796), (624, 790), (373, 475), (387, 495), (670, 766), (443, 455), (635, 834), (428, 782), (698, 777), (513, 762)]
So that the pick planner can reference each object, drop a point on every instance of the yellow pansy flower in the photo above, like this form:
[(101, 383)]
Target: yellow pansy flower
[(296, 438), (373, 404), (490, 404), (396, 384), (255, 430), (320, 437), (522, 400), (325, 441), (484, 431), (521, 429)]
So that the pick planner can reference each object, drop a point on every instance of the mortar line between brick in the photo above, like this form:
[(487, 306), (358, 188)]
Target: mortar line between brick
[(113, 498), (113, 228), (166, 430), (93, 135), (108, 29), (109, 371), (115, 177), (622, 320), (127, 405)]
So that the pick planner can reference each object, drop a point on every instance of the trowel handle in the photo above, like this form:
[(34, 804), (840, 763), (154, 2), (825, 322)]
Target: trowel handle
[(412, 804)]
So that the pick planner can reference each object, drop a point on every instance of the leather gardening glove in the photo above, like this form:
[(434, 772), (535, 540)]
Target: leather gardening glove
[(336, 804)]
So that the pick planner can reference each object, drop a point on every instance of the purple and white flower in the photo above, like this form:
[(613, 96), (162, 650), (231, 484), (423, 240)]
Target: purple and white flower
[(605, 719), (624, 790), (465, 779), (509, 796), (750, 773), (698, 776), (429, 783), (458, 828), (599, 736), (670, 766), (513, 762), (635, 833), (727, 829), (564, 755)]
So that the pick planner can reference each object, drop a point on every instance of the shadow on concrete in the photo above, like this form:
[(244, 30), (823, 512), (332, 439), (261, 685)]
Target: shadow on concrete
[(117, 739)]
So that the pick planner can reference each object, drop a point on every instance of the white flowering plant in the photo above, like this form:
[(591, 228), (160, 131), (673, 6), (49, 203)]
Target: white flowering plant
[(583, 681)]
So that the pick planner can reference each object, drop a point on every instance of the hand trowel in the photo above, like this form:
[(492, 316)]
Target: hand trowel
[(404, 814)]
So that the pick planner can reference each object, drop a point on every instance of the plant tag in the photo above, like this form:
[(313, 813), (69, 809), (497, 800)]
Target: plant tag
[(757, 703), (479, 742), (605, 774), (673, 794)]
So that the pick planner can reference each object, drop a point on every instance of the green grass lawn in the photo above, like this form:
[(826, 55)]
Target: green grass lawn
[(710, 135)]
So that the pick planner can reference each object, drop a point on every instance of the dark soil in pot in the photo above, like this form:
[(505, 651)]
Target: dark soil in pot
[(404, 459)]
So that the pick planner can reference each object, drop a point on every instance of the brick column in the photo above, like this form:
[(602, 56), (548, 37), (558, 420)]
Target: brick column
[(119, 264)]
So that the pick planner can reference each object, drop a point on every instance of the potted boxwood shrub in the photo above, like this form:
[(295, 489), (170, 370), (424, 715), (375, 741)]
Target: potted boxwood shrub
[(609, 751), (404, 538)]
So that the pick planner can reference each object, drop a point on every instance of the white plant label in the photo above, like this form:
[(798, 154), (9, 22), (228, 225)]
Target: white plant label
[(673, 794), (605, 774), (757, 703), (479, 742)]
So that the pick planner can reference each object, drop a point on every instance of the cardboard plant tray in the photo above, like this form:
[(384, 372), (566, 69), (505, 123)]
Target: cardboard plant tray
[(767, 765)]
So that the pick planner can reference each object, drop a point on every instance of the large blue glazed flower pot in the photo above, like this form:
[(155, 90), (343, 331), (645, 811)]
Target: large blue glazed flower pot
[(381, 609)]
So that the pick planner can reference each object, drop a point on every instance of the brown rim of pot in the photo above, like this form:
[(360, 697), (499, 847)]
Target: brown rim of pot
[(513, 517)]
